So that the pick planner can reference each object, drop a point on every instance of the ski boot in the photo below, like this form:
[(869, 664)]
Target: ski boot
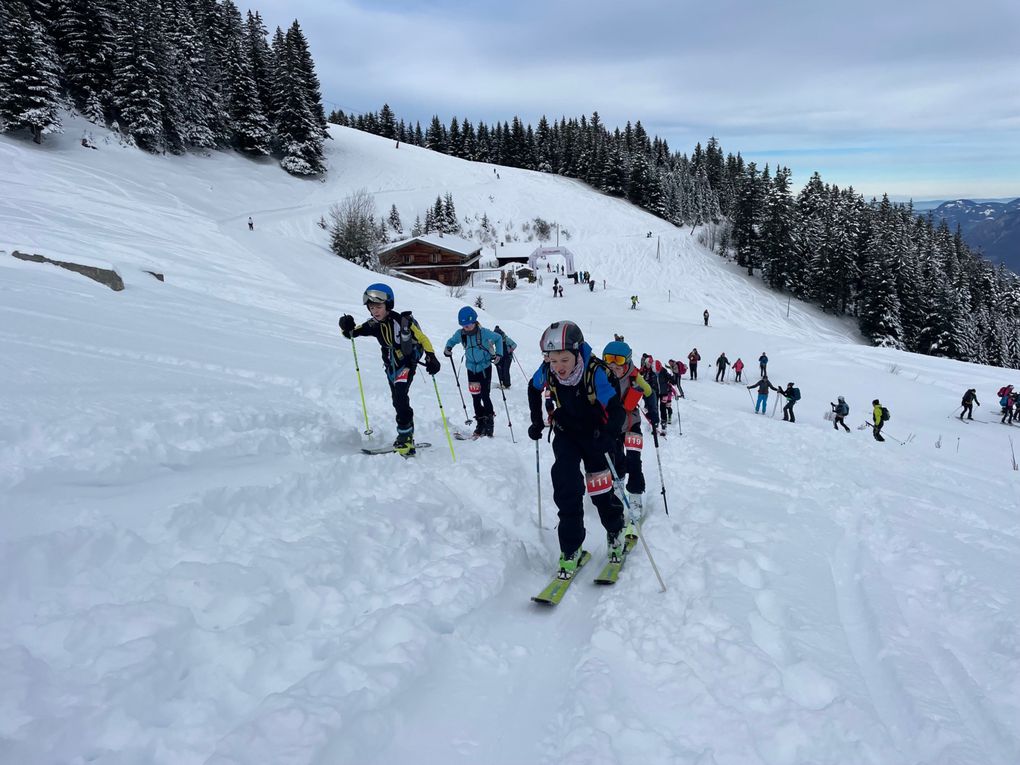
[(404, 443), (490, 426), (615, 544), (568, 564)]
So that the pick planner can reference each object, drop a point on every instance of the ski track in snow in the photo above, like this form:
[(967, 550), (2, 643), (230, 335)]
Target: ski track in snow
[(199, 565)]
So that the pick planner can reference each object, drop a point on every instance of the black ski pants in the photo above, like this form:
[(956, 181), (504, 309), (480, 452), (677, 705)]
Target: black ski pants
[(628, 462), (788, 412), (504, 370), (876, 431), (694, 370), (400, 393), (569, 486), (479, 385), (720, 373), (737, 373), (968, 409), (839, 421)]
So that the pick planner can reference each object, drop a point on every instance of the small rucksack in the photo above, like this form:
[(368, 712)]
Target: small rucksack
[(842, 409), (796, 394), (1003, 391), (885, 415)]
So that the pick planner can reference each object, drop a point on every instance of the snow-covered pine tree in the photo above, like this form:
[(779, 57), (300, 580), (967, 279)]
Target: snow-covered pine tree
[(263, 66), (30, 95), (450, 224), (302, 58), (879, 318), (138, 108), (296, 134), (394, 220), (417, 229), (780, 264), (84, 31)]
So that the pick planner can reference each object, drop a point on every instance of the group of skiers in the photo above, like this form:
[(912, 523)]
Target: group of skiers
[(592, 404), (1009, 401)]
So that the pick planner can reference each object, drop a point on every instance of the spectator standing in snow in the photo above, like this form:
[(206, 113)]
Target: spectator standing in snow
[(969, 399), (692, 359), (251, 224), (720, 367), (706, 317), (763, 362), (763, 386)]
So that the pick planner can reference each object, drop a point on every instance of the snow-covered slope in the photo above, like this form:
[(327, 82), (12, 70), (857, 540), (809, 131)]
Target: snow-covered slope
[(198, 565)]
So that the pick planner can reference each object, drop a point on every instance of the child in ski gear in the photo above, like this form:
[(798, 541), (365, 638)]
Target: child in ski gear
[(792, 396), (879, 415), (706, 317), (679, 369), (763, 362), (969, 399), (764, 386), (586, 421), (665, 387), (693, 358), (402, 344), (482, 349), (627, 450), (720, 368), (841, 409), (633, 302), (738, 367), (503, 368)]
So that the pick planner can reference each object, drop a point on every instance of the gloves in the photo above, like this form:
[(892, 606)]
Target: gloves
[(535, 431), (346, 325), (448, 352), (496, 360), (432, 365)]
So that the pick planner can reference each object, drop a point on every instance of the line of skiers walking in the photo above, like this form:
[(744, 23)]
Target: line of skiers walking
[(1009, 402)]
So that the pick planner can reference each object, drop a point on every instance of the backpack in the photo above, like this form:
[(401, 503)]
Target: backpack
[(885, 415), (796, 394), (1004, 401), (843, 409), (1003, 391), (681, 367)]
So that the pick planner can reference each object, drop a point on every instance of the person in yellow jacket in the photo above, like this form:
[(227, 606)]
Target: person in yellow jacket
[(627, 448), (879, 416), (403, 344)]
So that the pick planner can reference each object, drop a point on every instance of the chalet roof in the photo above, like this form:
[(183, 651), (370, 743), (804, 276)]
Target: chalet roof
[(448, 242)]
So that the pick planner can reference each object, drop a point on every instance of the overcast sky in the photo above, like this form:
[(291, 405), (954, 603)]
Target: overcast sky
[(917, 99)]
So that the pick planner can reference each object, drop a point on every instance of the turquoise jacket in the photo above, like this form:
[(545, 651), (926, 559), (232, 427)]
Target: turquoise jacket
[(480, 347)]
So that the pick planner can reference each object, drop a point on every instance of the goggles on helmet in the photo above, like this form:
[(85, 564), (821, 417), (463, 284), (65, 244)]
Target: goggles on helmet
[(374, 296), (615, 358)]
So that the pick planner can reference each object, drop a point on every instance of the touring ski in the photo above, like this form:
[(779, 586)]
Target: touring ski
[(611, 570), (557, 588), (390, 449)]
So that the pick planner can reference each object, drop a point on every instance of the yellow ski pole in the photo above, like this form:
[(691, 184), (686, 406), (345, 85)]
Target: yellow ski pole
[(442, 414), (368, 430)]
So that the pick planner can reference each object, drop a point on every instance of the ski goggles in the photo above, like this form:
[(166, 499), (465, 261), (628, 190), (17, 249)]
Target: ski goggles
[(616, 358), (374, 296)]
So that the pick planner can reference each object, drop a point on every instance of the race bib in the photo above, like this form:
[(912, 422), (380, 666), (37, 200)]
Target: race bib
[(599, 483)]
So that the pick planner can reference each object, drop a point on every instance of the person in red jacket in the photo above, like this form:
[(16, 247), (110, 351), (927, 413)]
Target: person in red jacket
[(738, 367), (693, 358)]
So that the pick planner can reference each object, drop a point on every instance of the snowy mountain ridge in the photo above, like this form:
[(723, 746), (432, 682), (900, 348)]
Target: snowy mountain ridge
[(199, 565)]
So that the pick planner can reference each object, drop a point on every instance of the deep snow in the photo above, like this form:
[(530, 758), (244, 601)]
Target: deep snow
[(198, 565)]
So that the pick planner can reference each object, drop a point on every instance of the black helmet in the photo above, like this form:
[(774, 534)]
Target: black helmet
[(562, 336)]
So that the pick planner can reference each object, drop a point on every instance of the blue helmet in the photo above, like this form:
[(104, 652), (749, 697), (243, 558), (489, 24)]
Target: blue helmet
[(467, 315), (378, 293), (617, 348)]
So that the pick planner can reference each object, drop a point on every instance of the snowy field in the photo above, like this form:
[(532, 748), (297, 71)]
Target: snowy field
[(198, 564)]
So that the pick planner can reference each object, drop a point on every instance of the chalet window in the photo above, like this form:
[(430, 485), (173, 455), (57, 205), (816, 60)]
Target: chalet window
[(434, 257), (408, 260)]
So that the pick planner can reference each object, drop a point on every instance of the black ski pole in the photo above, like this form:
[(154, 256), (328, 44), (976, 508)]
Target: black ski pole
[(467, 420), (509, 424), (658, 459)]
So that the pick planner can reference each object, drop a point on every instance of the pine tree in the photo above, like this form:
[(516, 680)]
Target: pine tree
[(136, 79), (880, 304), (84, 30), (387, 123), (297, 135), (251, 129), (394, 220), (417, 229), (263, 66), (450, 224), (29, 74)]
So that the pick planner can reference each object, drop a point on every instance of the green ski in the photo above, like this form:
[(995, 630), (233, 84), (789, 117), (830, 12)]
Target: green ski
[(557, 588), (611, 570)]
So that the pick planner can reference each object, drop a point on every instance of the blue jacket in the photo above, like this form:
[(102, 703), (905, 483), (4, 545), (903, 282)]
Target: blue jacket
[(480, 347)]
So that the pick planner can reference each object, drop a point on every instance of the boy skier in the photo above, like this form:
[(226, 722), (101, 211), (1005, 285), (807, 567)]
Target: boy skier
[(587, 417), (503, 368), (482, 349), (402, 344), (626, 453), (764, 386), (841, 409)]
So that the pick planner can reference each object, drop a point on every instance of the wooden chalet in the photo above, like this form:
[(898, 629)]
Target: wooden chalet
[(439, 257)]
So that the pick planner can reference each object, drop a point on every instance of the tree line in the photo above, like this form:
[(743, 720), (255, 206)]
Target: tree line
[(910, 282), (170, 75)]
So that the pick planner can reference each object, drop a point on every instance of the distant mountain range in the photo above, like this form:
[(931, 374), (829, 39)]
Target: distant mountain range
[(991, 227)]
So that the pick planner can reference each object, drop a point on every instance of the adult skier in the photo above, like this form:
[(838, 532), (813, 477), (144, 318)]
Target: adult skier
[(738, 367), (969, 399), (840, 409), (692, 359), (792, 396), (720, 367), (503, 368), (763, 362), (679, 369), (764, 386), (627, 451), (879, 416), (482, 349), (402, 344), (633, 302), (587, 417), (705, 315)]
